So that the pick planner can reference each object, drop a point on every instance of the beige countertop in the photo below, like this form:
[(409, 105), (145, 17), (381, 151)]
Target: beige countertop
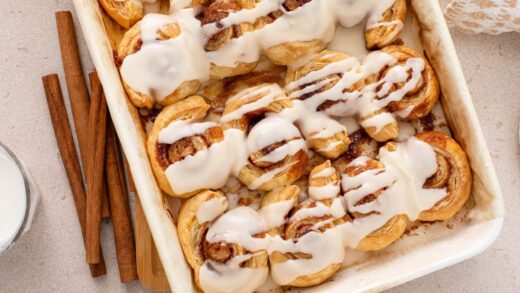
[(51, 257)]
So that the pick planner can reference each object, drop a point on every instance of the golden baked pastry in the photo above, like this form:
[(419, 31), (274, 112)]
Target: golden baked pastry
[(192, 110), (200, 252), (419, 101), (389, 131), (217, 92), (333, 146), (386, 30), (291, 194), (192, 232), (299, 224), (253, 102), (410, 99), (326, 97), (393, 229), (287, 53), (453, 173), (299, 227), (125, 12), (329, 147), (324, 182), (264, 128), (274, 161), (130, 44), (214, 11), (361, 144), (340, 87)]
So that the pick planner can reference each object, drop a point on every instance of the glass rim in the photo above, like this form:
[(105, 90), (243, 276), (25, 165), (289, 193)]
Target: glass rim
[(20, 166)]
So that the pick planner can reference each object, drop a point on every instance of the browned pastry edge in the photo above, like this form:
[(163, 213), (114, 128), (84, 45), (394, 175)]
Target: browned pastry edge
[(453, 173), (379, 37)]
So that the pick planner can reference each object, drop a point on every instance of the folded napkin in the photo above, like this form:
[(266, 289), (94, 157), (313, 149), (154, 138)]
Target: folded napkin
[(484, 16)]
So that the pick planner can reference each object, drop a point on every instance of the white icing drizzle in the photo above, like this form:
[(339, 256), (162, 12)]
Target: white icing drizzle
[(267, 176), (404, 173), (375, 20), (272, 130), (207, 169), (406, 169), (238, 226), (211, 167), (160, 67), (180, 129), (376, 17), (211, 209), (325, 173), (155, 70), (323, 192), (288, 149), (312, 21), (230, 277), (368, 100), (247, 15), (330, 190), (325, 248), (275, 214), (270, 93), (350, 123), (320, 209)]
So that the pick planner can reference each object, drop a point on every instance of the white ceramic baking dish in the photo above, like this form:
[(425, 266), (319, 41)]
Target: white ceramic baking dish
[(424, 250)]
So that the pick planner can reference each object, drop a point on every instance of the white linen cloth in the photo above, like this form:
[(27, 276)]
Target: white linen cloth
[(484, 16)]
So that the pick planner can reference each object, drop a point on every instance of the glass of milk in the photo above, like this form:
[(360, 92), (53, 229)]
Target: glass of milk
[(18, 199)]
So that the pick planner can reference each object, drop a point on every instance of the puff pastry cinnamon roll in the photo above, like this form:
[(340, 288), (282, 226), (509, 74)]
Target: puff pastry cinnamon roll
[(125, 12), (318, 85), (159, 63), (393, 81), (277, 154), (453, 173), (214, 243), (182, 149), (385, 24), (276, 205), (405, 85), (417, 91), (288, 52), (364, 181), (219, 34), (318, 251), (340, 85), (219, 91), (318, 82)]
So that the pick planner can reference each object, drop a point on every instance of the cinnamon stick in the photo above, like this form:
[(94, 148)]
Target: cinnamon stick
[(121, 218), (95, 167), (77, 89), (76, 85), (105, 206), (65, 141), (96, 90)]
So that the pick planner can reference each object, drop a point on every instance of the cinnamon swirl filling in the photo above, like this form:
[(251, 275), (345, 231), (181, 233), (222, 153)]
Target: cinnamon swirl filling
[(291, 5), (167, 154)]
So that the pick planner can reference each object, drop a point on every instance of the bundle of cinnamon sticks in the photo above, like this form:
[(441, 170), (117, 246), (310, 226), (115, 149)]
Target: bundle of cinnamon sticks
[(102, 193)]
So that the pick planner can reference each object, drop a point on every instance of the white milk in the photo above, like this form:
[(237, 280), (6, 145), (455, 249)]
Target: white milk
[(13, 200)]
